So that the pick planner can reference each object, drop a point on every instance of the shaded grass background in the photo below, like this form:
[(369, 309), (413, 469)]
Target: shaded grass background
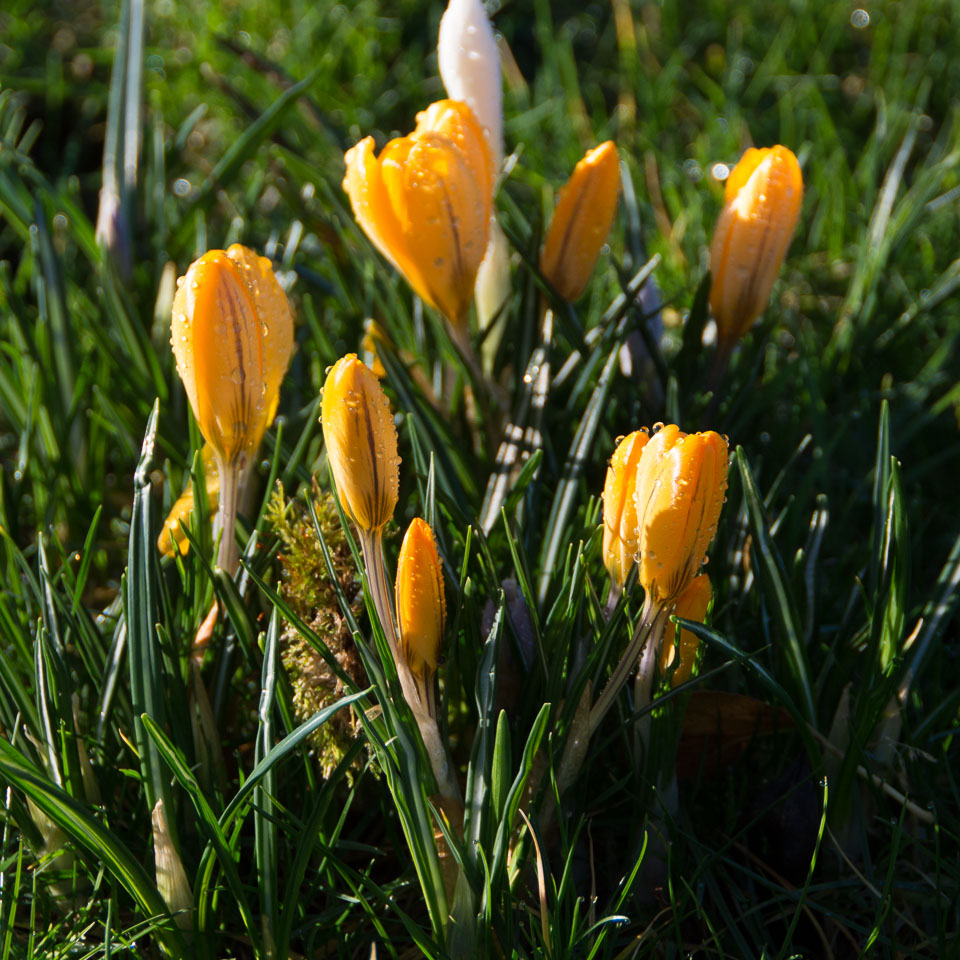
[(865, 310)]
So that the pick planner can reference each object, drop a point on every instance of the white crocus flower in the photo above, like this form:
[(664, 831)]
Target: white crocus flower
[(470, 69)]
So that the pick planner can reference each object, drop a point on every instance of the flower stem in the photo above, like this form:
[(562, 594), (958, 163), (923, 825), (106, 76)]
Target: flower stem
[(371, 546), (643, 684), (648, 618), (228, 557)]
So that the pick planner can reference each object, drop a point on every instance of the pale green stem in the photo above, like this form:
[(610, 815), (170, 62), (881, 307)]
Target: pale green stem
[(371, 546), (643, 684), (625, 667), (613, 598), (228, 557)]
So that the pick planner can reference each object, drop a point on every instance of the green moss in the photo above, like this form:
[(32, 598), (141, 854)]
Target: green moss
[(311, 594)]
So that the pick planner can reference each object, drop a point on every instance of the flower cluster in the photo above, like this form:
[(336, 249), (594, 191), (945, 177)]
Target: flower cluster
[(426, 202)]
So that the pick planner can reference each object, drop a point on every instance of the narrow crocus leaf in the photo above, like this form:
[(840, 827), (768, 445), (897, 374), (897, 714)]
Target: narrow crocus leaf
[(172, 537)]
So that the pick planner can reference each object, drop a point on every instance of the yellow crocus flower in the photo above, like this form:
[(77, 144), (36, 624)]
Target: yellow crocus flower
[(581, 221), (425, 203), (761, 206), (361, 443), (421, 602), (681, 482), (232, 335)]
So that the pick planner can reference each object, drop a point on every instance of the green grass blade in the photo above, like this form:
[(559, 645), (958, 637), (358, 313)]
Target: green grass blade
[(79, 824), (773, 581)]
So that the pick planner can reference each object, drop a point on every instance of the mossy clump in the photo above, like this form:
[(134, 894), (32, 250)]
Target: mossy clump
[(312, 596)]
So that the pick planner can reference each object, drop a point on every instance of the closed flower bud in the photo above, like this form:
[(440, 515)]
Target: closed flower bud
[(620, 508), (361, 443), (581, 221), (425, 203), (681, 481), (373, 336), (232, 334), (421, 604), (761, 206), (691, 605), (469, 65)]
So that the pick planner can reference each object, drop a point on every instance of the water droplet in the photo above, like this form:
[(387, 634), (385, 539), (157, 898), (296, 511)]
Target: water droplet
[(860, 19)]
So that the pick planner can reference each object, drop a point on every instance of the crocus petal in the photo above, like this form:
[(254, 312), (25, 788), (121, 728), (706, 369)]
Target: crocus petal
[(691, 605), (434, 197), (455, 121), (619, 507), (370, 201), (231, 332)]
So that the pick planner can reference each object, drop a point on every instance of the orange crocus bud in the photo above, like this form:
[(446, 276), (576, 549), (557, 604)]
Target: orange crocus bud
[(425, 203), (172, 537), (232, 335), (421, 603), (681, 481), (581, 221), (373, 335), (691, 605), (761, 206), (361, 443), (620, 508)]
